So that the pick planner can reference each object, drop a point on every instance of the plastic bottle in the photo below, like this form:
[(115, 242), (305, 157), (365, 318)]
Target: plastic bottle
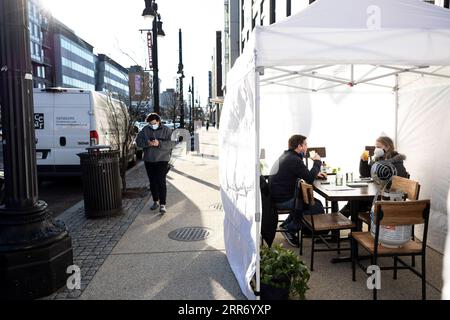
[(339, 177), (323, 169)]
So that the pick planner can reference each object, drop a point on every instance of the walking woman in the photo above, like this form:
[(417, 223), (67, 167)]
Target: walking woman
[(155, 140)]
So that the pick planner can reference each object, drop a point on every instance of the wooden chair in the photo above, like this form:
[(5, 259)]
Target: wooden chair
[(411, 188), (394, 213), (321, 223), (371, 150)]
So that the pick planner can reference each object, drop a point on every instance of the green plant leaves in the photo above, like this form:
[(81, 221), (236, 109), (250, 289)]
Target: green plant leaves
[(282, 268)]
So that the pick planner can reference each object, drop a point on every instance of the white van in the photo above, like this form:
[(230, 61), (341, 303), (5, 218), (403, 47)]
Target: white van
[(67, 121)]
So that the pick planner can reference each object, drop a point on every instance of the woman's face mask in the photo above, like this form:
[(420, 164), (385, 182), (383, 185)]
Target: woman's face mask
[(378, 153), (154, 125)]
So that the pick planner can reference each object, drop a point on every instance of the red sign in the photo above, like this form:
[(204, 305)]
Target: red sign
[(150, 46)]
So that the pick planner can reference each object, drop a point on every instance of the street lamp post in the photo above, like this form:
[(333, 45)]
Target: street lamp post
[(181, 73), (151, 13), (191, 115), (35, 251)]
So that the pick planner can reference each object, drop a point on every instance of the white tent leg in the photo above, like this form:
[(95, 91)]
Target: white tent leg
[(396, 111), (257, 184)]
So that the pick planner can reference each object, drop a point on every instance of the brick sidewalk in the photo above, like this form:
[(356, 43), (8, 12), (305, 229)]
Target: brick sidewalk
[(94, 239)]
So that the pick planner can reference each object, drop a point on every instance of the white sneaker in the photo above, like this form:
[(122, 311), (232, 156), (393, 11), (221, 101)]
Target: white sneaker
[(162, 209)]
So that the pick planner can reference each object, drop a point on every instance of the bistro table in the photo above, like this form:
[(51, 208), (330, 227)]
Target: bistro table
[(350, 194)]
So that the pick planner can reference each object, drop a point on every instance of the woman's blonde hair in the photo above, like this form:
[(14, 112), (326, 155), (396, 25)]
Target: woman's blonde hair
[(388, 143)]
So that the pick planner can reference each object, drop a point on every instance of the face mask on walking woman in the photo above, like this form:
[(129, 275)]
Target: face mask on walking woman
[(155, 126)]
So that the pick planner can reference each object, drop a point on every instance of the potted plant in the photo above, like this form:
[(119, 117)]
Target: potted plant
[(283, 273)]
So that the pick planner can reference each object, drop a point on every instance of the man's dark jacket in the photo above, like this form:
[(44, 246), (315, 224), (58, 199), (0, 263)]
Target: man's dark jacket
[(285, 172)]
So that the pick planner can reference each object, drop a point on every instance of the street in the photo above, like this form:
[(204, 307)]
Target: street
[(59, 193)]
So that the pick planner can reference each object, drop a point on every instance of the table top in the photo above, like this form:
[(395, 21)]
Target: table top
[(353, 193)]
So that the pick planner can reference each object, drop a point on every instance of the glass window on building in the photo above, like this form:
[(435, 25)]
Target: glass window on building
[(71, 82), (86, 55)]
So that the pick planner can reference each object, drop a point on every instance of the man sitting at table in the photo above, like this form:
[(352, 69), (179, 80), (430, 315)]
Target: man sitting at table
[(284, 174)]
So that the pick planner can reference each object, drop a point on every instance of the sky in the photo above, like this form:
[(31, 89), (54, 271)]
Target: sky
[(112, 27)]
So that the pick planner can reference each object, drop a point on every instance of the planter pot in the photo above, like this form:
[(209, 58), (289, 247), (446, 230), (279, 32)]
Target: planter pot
[(271, 293)]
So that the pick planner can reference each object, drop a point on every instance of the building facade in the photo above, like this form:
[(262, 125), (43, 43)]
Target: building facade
[(140, 83), (62, 59), (230, 36), (112, 77), (217, 81), (74, 59), (41, 44)]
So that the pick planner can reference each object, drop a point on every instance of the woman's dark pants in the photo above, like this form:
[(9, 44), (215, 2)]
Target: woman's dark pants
[(157, 172)]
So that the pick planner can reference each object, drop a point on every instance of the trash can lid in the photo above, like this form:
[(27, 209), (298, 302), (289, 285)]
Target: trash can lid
[(98, 147)]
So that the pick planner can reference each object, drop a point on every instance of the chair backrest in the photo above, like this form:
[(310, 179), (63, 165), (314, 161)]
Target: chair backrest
[(371, 150), (410, 187), (307, 192), (398, 213)]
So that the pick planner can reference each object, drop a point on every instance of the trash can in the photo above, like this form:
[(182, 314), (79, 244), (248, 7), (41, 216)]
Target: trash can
[(101, 182)]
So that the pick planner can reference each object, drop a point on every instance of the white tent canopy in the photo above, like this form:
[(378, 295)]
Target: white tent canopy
[(342, 73)]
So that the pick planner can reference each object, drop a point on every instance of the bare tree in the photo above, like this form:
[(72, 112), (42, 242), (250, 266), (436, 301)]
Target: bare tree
[(124, 114)]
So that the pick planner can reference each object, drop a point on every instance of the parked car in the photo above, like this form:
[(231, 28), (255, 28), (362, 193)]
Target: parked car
[(67, 121)]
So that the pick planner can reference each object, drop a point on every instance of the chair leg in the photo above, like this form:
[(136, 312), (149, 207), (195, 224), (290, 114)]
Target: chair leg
[(338, 235), (395, 267), (354, 248), (413, 258), (374, 263), (424, 283), (301, 241), (313, 238)]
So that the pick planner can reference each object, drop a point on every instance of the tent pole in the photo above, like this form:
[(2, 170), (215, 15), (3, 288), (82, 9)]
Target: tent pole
[(289, 73), (396, 111), (414, 70), (257, 184), (352, 76)]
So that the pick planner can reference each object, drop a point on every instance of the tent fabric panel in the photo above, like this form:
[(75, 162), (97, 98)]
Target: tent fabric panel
[(424, 136), (237, 177)]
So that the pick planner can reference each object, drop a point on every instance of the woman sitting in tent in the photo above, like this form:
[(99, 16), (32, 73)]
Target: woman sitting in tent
[(384, 150)]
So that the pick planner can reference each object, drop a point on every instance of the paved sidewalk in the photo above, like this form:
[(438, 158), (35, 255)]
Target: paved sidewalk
[(133, 257)]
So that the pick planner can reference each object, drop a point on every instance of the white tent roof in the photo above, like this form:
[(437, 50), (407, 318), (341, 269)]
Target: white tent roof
[(400, 32)]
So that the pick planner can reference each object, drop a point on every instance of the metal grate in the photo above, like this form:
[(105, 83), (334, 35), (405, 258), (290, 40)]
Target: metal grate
[(190, 234)]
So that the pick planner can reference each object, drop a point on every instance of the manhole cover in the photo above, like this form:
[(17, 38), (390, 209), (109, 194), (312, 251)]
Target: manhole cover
[(217, 206), (190, 234)]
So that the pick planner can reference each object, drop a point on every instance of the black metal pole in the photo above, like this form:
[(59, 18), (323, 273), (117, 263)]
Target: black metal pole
[(34, 250), (181, 72), (155, 67), (192, 106)]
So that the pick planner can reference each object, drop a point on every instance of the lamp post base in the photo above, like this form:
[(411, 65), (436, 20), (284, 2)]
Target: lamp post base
[(35, 252)]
